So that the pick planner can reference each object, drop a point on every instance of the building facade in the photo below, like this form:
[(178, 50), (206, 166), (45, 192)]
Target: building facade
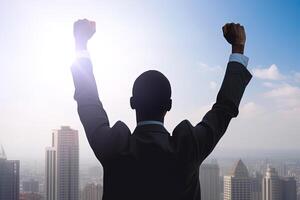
[(289, 188), (272, 185), (62, 165), (256, 186), (9, 177), (237, 185), (50, 174), (210, 181)]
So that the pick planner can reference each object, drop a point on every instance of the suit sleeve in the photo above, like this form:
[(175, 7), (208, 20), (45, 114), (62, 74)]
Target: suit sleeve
[(105, 141), (215, 122)]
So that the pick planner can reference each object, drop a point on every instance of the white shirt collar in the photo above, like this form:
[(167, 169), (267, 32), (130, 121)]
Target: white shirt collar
[(147, 122)]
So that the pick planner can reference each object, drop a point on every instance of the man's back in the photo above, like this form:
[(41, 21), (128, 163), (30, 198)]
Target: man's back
[(154, 165), (149, 163)]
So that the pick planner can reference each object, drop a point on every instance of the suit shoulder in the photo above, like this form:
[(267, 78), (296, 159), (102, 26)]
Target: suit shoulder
[(121, 127), (183, 128), (184, 141), (184, 123)]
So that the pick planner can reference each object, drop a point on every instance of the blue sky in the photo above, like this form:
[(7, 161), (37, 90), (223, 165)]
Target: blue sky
[(183, 39)]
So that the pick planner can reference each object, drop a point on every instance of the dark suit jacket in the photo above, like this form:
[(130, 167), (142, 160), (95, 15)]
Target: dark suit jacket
[(150, 163)]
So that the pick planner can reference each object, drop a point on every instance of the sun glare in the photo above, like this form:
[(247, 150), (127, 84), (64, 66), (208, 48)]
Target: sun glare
[(55, 50)]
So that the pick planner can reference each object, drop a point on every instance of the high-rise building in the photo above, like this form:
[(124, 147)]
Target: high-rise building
[(237, 185), (289, 188), (272, 185), (92, 191), (62, 165), (9, 177), (30, 186), (50, 174), (210, 181), (256, 186)]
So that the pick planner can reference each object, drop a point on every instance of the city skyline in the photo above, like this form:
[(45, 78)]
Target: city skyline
[(44, 152), (282, 177), (182, 40)]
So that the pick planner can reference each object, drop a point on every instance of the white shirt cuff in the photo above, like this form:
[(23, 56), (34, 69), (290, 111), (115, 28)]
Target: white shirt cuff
[(240, 58), (82, 54)]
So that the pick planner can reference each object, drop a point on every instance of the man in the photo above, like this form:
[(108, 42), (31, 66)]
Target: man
[(149, 163)]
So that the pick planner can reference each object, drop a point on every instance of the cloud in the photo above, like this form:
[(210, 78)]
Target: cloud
[(285, 90), (271, 73), (286, 96), (297, 77), (208, 68), (269, 84), (251, 109)]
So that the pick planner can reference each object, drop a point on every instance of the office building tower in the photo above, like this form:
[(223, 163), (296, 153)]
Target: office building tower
[(272, 185), (289, 188), (50, 174), (62, 165), (237, 185), (9, 177), (210, 181), (256, 186)]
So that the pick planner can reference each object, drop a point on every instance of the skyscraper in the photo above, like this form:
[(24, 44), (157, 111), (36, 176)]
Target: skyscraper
[(289, 188), (210, 181), (9, 177), (237, 185), (62, 165), (256, 186), (50, 173), (272, 185)]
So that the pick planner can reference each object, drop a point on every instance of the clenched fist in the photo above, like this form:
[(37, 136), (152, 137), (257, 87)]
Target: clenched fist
[(83, 30), (236, 36)]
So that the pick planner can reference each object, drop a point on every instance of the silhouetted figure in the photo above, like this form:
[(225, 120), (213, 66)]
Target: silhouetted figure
[(149, 163)]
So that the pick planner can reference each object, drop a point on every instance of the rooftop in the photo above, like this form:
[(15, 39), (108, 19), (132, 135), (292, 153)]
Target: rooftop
[(2, 153), (240, 169)]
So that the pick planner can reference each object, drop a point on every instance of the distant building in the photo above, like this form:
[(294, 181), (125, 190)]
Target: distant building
[(92, 191), (237, 185), (31, 196), (221, 187), (289, 188), (281, 168), (30, 186), (9, 177), (272, 185), (50, 174), (210, 181), (62, 165), (256, 186)]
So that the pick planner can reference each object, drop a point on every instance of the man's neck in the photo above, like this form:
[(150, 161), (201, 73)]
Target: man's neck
[(141, 118)]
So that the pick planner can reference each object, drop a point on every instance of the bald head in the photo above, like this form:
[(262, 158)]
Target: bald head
[(151, 93)]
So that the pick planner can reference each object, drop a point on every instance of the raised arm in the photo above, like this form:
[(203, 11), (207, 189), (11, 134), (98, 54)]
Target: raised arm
[(105, 141), (214, 124)]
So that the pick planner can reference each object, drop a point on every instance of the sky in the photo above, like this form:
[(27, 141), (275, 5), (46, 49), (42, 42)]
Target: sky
[(182, 39)]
